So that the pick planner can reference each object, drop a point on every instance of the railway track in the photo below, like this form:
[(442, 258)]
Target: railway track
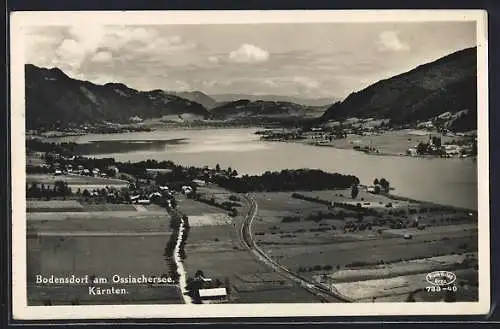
[(246, 235)]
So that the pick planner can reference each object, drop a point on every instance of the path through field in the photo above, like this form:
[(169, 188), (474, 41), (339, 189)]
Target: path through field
[(180, 265)]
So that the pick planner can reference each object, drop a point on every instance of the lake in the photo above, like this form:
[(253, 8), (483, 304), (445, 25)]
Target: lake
[(445, 181)]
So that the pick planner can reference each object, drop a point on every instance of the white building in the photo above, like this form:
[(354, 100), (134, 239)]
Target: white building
[(452, 150), (213, 294), (412, 151), (199, 182), (187, 189)]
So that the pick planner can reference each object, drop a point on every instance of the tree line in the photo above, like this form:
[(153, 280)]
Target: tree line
[(287, 180), (59, 189)]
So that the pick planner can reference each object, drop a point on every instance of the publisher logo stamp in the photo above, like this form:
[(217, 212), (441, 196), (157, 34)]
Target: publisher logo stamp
[(441, 278), (441, 281)]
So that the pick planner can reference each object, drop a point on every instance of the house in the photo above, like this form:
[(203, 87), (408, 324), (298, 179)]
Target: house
[(136, 119), (452, 150), (155, 195), (445, 116), (114, 169), (144, 201), (412, 151), (427, 124), (213, 294), (57, 172), (351, 120), (187, 189), (203, 279), (135, 198), (164, 188), (199, 182), (407, 236)]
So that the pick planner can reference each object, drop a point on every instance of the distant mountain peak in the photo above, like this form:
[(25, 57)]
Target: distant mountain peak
[(53, 72), (448, 84), (52, 96), (197, 97)]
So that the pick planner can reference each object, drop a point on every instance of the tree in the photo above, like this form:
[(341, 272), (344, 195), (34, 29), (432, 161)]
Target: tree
[(385, 184), (422, 148), (376, 182), (199, 273), (436, 141), (354, 191), (227, 284), (217, 167)]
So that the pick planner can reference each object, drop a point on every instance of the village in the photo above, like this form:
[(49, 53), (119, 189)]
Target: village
[(78, 207), (374, 136)]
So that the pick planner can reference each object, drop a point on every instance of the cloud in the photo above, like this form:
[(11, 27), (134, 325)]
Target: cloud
[(166, 45), (102, 57), (248, 53), (390, 41), (77, 48), (214, 59), (307, 82)]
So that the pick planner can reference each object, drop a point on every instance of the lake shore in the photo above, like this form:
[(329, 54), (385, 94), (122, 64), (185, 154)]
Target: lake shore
[(390, 143), (242, 149)]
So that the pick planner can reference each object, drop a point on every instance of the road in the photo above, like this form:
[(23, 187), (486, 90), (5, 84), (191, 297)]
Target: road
[(247, 238)]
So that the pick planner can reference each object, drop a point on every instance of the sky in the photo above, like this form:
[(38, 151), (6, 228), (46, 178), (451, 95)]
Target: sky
[(308, 60)]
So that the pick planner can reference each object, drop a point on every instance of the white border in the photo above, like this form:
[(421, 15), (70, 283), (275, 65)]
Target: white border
[(19, 294)]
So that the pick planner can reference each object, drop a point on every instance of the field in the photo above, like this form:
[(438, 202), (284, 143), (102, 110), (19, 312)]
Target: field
[(217, 250), (76, 181), (381, 248), (54, 206), (391, 142), (356, 247), (91, 242)]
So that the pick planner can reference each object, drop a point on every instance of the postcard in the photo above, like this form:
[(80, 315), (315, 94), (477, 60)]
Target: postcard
[(188, 164)]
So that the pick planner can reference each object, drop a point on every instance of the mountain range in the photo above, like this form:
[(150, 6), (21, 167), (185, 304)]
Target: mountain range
[(448, 84), (197, 97), (227, 98), (270, 109), (53, 97)]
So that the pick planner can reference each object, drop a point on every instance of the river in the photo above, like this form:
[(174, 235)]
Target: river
[(445, 181)]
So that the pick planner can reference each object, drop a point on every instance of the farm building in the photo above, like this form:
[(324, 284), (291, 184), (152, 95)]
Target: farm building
[(199, 182), (213, 294), (115, 169), (452, 150), (412, 151), (187, 189)]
